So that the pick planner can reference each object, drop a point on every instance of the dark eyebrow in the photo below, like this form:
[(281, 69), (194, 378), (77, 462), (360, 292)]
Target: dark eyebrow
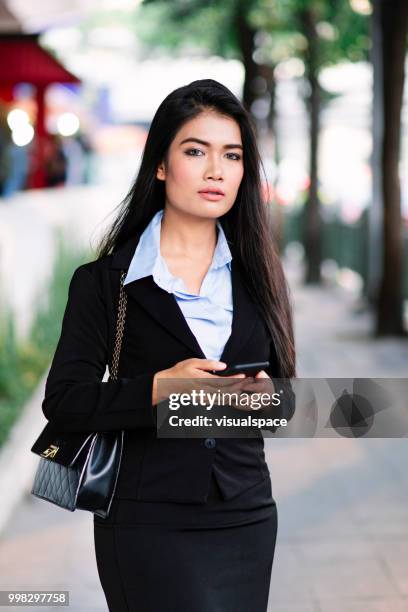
[(207, 144)]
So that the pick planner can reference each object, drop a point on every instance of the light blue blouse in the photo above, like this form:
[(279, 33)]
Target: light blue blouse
[(208, 314)]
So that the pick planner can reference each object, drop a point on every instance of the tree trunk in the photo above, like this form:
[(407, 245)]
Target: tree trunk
[(272, 150), (271, 83), (267, 73), (246, 43), (312, 217), (374, 255), (394, 24)]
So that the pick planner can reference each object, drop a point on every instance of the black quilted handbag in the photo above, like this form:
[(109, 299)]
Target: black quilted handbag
[(80, 470)]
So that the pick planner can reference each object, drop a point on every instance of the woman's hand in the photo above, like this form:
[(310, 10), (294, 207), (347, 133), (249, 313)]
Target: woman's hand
[(188, 371), (260, 383)]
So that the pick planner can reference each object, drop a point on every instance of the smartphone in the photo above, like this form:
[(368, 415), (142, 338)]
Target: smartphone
[(249, 369)]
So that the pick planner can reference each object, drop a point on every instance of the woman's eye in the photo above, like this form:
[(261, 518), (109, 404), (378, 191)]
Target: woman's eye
[(193, 152), (198, 153), (234, 156)]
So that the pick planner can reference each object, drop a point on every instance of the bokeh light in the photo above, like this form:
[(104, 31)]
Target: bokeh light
[(68, 124), (23, 134), (17, 118)]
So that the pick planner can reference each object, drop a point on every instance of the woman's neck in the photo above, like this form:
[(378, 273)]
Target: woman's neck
[(187, 236)]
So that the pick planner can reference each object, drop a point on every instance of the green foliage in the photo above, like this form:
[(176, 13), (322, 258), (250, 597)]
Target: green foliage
[(342, 33), (204, 26), (211, 26), (23, 363)]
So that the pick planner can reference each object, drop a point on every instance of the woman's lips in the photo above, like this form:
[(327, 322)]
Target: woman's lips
[(212, 196)]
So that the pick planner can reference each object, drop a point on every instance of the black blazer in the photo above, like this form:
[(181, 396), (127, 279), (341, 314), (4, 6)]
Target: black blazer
[(156, 337)]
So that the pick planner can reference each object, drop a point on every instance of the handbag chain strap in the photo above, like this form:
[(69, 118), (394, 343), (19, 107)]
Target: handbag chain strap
[(120, 325)]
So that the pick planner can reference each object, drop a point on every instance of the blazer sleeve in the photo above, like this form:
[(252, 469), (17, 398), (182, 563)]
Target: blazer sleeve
[(287, 406), (76, 399)]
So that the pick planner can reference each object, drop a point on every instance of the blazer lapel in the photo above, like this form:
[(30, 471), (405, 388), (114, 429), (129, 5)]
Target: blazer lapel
[(157, 302), (163, 306)]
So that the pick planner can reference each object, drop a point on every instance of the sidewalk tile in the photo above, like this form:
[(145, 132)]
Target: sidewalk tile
[(361, 579)]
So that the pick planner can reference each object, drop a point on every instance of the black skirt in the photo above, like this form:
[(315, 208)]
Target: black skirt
[(212, 557)]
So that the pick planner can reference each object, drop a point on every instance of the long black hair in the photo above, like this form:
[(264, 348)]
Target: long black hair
[(247, 224)]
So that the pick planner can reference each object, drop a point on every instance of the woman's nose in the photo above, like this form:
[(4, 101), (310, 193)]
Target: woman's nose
[(214, 170)]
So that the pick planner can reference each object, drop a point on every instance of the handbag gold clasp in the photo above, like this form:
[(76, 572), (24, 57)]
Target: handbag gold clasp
[(50, 452)]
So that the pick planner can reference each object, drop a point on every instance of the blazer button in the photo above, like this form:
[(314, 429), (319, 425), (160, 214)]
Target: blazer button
[(210, 443)]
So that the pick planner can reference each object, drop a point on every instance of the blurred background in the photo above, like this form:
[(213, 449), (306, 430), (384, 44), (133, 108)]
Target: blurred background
[(325, 83)]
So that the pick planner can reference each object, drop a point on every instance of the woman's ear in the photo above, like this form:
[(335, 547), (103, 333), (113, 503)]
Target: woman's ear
[(161, 173)]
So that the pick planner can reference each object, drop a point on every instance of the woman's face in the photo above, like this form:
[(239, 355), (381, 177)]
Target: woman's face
[(204, 166)]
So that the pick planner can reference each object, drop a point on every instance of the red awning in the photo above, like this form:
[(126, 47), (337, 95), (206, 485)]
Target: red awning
[(22, 60)]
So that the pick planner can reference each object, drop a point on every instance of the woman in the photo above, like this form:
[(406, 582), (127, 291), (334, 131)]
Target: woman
[(193, 523)]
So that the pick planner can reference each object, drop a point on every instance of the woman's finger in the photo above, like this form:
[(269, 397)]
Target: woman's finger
[(261, 374)]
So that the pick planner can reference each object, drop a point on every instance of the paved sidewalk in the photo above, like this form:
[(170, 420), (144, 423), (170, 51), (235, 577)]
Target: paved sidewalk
[(342, 541)]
